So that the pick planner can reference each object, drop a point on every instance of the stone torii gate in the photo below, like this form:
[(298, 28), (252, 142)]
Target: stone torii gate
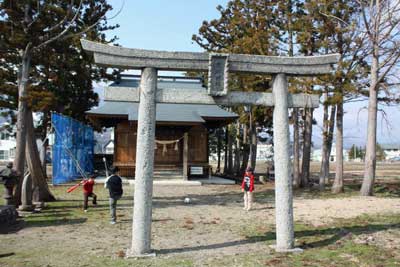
[(218, 66)]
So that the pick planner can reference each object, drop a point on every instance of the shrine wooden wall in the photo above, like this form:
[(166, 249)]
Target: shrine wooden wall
[(198, 145), (125, 146)]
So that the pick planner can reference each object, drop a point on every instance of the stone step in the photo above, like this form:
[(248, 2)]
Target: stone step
[(162, 178), (167, 173)]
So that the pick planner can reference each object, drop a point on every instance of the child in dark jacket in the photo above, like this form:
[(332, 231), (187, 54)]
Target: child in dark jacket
[(114, 185), (248, 188)]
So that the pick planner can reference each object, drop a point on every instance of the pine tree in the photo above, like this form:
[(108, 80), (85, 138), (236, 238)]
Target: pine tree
[(246, 27), (40, 43)]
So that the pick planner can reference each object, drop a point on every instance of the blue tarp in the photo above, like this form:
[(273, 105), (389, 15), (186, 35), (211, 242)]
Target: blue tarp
[(73, 146)]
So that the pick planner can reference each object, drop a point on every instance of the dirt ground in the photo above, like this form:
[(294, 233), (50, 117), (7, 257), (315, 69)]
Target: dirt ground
[(211, 228), (212, 225)]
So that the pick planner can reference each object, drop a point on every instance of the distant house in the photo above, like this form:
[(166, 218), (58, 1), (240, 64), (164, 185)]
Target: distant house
[(391, 150), (7, 144), (317, 154)]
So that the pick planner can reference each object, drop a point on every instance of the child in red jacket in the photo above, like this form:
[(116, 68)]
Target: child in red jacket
[(88, 191), (248, 188)]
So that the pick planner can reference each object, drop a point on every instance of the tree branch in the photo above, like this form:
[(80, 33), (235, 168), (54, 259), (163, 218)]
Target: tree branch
[(96, 23), (64, 31), (389, 68), (63, 20)]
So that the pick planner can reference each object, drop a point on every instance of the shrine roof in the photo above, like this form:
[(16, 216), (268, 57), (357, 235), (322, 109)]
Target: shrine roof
[(163, 82), (164, 112), (185, 113)]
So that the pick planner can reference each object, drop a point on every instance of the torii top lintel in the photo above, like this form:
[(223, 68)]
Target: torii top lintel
[(115, 56)]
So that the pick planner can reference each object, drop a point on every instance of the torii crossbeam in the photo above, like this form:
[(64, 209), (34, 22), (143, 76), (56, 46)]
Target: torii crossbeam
[(218, 66)]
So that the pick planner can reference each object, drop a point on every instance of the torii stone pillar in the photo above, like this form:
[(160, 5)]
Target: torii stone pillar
[(283, 181), (142, 209)]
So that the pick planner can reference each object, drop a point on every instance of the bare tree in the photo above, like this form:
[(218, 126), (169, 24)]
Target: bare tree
[(381, 25)]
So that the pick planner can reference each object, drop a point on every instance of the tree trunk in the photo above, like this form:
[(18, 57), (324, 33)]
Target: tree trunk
[(324, 172), (42, 154), (246, 150), (230, 150), (295, 112), (296, 149), (26, 194), (43, 148), (370, 152), (19, 161), (253, 147), (338, 183), (237, 150), (219, 151), (41, 191), (226, 151), (327, 147), (305, 168), (330, 133)]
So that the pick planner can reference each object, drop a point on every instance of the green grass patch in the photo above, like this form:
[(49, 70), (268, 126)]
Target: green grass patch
[(333, 245)]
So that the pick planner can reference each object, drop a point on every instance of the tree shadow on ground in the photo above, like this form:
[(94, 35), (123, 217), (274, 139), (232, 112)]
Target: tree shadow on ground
[(19, 225), (54, 222), (385, 188), (4, 255), (78, 204), (336, 233)]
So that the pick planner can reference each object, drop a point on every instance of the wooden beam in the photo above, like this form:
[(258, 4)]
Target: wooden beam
[(115, 56), (195, 96)]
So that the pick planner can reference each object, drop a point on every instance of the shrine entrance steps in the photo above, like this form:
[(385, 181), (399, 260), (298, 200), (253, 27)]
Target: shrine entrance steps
[(168, 173)]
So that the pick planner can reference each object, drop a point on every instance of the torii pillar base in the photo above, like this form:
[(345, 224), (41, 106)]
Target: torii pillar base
[(132, 255), (284, 250)]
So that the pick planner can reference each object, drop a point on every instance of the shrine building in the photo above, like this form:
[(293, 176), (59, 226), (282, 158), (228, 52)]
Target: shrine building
[(182, 148)]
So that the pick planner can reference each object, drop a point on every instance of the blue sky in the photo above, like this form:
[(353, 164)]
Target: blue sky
[(169, 25), (162, 24)]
